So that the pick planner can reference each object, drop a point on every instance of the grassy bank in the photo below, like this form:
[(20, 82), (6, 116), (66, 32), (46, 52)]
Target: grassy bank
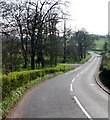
[(17, 83)]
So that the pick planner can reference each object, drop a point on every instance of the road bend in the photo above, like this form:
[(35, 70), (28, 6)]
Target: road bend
[(73, 94)]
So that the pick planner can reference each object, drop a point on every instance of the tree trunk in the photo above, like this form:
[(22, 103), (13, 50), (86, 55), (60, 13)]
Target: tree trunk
[(51, 58), (64, 57), (64, 37), (25, 54), (55, 59), (32, 52), (25, 61), (81, 55), (33, 60), (40, 48), (85, 55)]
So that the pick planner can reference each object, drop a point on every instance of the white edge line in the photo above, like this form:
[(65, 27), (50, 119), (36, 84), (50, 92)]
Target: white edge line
[(89, 60), (82, 107), (71, 87), (77, 68), (80, 67)]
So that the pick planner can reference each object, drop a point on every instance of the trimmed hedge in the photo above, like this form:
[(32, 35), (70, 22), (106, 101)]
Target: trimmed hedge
[(14, 80)]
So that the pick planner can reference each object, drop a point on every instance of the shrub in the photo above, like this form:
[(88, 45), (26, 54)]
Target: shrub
[(17, 79)]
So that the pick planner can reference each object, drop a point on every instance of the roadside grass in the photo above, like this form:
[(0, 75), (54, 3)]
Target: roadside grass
[(16, 93)]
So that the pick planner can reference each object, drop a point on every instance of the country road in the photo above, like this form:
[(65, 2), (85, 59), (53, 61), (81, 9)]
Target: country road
[(74, 94)]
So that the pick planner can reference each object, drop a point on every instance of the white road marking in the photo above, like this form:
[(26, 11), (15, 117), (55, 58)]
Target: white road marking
[(75, 98), (81, 107), (92, 84), (78, 68), (77, 75), (73, 80), (71, 87)]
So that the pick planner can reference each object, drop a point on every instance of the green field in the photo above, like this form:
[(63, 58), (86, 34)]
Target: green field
[(99, 44)]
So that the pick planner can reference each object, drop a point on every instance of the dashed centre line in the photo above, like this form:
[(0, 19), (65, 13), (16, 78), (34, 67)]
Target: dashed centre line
[(73, 80), (75, 98), (77, 75), (71, 86), (78, 68)]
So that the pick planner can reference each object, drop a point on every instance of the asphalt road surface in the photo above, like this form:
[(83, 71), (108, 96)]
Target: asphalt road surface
[(74, 94)]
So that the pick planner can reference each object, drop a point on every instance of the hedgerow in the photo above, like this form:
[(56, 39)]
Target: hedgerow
[(16, 83), (14, 80)]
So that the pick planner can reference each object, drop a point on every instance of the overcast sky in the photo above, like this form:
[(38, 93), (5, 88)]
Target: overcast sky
[(90, 14)]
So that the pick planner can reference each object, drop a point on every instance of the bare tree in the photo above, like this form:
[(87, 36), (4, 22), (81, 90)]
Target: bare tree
[(29, 21), (36, 25), (14, 23)]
